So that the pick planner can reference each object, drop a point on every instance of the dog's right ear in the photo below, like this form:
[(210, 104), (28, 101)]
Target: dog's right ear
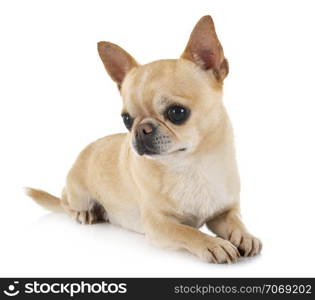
[(116, 60)]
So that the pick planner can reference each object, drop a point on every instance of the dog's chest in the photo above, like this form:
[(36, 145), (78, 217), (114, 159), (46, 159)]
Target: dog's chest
[(203, 189)]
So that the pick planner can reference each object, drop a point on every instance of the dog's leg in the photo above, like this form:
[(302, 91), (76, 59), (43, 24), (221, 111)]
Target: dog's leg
[(166, 231), (82, 208), (229, 226)]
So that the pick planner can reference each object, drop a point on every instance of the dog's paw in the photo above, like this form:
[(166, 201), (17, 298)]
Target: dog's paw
[(247, 244), (85, 217), (217, 250), (95, 214)]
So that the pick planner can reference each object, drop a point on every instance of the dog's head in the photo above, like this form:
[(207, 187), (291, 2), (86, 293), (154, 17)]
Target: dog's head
[(171, 106)]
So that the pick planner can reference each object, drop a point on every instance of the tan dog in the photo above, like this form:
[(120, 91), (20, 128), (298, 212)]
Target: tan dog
[(175, 170)]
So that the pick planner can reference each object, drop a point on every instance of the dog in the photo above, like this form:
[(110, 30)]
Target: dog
[(175, 169)]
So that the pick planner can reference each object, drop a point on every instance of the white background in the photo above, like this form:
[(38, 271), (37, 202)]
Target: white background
[(56, 98)]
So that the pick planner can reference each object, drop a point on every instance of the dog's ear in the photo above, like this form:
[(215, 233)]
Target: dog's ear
[(205, 50), (116, 60)]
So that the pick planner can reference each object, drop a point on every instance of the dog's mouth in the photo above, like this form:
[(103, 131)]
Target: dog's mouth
[(143, 148), (153, 145)]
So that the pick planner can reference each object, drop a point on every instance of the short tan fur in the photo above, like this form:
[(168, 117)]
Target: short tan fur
[(175, 170)]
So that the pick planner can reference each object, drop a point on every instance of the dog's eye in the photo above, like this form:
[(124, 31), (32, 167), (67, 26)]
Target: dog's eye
[(177, 114), (127, 120)]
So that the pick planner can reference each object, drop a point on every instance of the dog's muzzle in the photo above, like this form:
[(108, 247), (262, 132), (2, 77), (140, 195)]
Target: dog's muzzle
[(144, 139)]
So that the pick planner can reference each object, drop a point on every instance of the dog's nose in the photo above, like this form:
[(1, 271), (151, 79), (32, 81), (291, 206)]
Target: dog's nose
[(144, 137), (146, 128)]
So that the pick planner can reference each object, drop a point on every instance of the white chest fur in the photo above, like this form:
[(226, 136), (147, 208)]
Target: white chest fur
[(205, 186)]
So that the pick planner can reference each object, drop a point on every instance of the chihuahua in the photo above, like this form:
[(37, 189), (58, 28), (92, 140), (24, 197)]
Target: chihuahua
[(175, 170)]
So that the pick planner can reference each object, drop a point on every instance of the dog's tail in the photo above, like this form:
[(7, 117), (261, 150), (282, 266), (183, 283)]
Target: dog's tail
[(44, 199)]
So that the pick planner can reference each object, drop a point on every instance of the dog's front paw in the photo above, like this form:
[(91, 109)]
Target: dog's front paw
[(247, 244), (217, 250)]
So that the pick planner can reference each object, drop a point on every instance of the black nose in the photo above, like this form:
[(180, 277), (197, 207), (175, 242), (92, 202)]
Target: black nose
[(146, 129)]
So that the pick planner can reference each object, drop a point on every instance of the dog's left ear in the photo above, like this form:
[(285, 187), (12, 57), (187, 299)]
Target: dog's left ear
[(116, 60), (205, 50)]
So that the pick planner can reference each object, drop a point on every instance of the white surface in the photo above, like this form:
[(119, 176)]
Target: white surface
[(56, 98)]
